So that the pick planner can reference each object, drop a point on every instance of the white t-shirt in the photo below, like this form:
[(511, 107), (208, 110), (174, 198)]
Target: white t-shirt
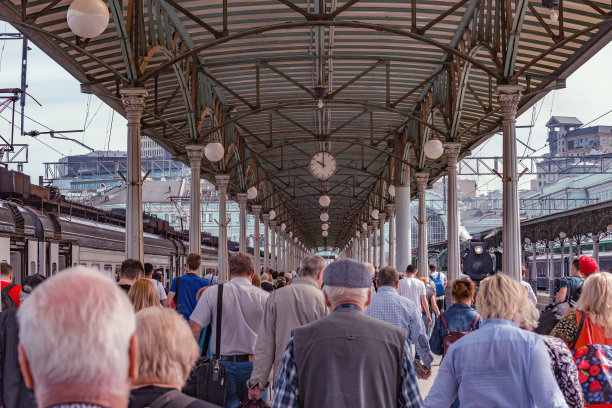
[(160, 289), (435, 276), (413, 289)]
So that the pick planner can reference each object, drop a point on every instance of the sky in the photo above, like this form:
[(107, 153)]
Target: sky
[(586, 96)]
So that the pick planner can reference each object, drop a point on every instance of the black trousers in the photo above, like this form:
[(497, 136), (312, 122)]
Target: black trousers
[(441, 304)]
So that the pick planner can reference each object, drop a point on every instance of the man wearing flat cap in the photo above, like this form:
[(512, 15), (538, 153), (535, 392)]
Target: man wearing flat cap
[(347, 359)]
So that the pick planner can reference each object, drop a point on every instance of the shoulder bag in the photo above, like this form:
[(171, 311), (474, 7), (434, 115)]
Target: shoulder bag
[(593, 362), (553, 313), (207, 380)]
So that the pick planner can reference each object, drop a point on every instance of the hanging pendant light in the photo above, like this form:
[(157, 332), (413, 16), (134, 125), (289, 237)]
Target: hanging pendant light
[(433, 149), (87, 18), (391, 190), (272, 214), (214, 151), (375, 214), (324, 233), (252, 193), (325, 227), (324, 217), (283, 226), (324, 200)]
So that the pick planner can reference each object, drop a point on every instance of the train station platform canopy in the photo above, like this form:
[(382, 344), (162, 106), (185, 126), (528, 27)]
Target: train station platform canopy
[(275, 81)]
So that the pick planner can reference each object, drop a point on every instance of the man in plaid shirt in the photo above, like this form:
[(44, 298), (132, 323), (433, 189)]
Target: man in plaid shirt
[(347, 359)]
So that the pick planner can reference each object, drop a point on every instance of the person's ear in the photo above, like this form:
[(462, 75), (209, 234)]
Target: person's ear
[(133, 358), (25, 367), (252, 274), (397, 285), (327, 302), (369, 298)]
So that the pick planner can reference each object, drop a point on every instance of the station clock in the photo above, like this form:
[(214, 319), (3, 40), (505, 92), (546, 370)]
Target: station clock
[(323, 165)]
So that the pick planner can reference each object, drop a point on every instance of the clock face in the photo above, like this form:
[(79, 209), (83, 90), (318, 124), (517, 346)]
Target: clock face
[(323, 165)]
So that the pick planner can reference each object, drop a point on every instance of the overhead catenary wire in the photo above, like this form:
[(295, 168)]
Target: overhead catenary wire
[(38, 140)]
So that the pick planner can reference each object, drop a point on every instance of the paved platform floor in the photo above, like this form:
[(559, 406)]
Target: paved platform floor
[(425, 385)]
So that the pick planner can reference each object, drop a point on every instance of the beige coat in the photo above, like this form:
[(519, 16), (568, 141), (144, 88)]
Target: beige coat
[(289, 307)]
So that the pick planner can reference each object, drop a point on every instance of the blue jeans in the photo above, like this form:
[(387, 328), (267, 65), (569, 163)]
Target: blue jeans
[(430, 327), (237, 376)]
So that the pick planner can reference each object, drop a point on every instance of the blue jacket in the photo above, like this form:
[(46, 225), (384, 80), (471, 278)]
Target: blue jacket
[(459, 318)]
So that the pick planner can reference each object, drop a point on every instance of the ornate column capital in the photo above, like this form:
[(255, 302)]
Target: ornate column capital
[(357, 234), (451, 152), (272, 223), (382, 217), (509, 97), (242, 199), (133, 100), (266, 219), (369, 229), (256, 211), (222, 181), (279, 230), (195, 154), (421, 180), (375, 224), (391, 210)]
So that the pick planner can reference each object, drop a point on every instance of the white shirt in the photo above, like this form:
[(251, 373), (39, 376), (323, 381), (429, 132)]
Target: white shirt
[(243, 309), (413, 289), (160, 289)]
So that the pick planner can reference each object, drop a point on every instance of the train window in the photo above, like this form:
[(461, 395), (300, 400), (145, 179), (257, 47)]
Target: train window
[(108, 268), (32, 267), (95, 266), (53, 268)]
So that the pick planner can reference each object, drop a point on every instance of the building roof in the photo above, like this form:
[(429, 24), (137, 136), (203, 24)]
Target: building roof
[(591, 130), (563, 120), (247, 74), (153, 191)]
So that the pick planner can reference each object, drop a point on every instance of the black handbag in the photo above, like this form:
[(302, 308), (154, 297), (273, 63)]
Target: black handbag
[(207, 380), (553, 313)]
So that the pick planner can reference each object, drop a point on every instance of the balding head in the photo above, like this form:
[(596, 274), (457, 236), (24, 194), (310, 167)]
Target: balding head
[(77, 340)]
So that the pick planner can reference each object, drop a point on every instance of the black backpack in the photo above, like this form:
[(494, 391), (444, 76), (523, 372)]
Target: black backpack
[(554, 312), (7, 300)]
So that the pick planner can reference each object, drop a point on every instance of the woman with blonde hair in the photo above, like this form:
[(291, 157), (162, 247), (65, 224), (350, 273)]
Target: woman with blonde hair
[(595, 304), (143, 294), (166, 354), (498, 365), (588, 332)]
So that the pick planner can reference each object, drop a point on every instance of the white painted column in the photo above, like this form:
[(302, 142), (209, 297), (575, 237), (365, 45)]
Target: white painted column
[(534, 266), (562, 244), (549, 273), (381, 262), (369, 244), (133, 100), (571, 250), (355, 247), (375, 243), (421, 180), (273, 245), (195, 153), (451, 153), (391, 211), (595, 238), (509, 97), (242, 220), (279, 249), (266, 220), (222, 182), (403, 217), (256, 238)]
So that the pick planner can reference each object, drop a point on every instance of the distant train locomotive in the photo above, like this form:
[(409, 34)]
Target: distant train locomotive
[(477, 262)]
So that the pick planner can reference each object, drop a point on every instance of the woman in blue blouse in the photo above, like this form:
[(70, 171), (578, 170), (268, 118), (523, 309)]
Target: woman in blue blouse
[(499, 365), (459, 316)]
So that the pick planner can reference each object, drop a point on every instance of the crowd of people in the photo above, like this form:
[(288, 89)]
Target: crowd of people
[(327, 335)]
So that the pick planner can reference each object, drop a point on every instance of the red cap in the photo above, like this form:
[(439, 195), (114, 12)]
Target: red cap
[(588, 265)]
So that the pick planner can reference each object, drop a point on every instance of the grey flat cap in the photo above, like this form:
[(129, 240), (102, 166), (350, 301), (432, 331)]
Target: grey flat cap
[(347, 273)]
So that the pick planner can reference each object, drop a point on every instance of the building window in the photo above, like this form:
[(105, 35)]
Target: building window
[(210, 217)]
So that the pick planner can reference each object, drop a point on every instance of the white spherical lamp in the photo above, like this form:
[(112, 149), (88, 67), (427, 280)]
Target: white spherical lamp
[(433, 149), (375, 214), (324, 233), (562, 235), (364, 226), (283, 226), (325, 227), (358, 234), (272, 214), (290, 234), (391, 190), (609, 228), (252, 193), (87, 18), (324, 200), (527, 241), (214, 151), (324, 217), (295, 240)]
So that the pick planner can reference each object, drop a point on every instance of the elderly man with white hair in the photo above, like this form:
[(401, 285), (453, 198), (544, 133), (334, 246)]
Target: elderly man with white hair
[(347, 359), (77, 342)]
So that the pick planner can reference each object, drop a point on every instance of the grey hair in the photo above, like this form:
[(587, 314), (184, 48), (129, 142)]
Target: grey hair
[(76, 328), (340, 294), (311, 265)]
